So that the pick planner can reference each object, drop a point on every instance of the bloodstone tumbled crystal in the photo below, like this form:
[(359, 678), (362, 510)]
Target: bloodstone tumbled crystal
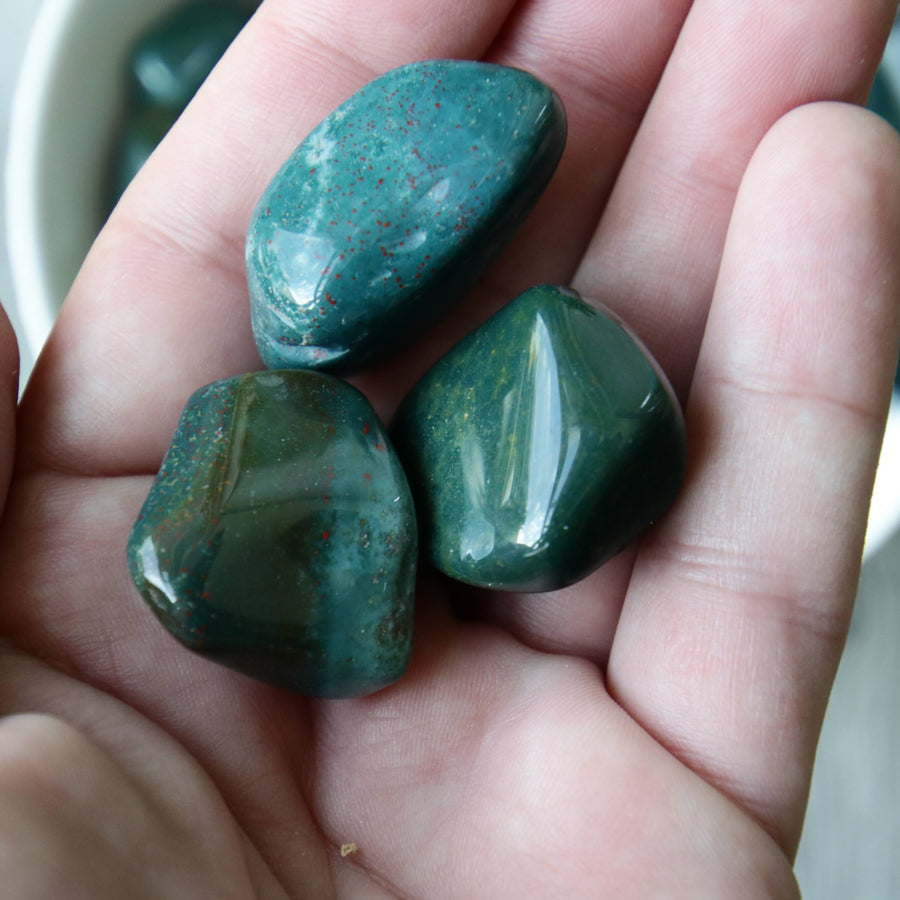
[(541, 445), (279, 536), (393, 207)]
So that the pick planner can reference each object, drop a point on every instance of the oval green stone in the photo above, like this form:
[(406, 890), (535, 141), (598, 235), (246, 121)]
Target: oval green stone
[(540, 446), (393, 207), (279, 536)]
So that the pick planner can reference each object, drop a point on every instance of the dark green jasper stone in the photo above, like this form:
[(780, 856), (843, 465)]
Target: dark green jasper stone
[(541, 445), (279, 536), (171, 60), (393, 207)]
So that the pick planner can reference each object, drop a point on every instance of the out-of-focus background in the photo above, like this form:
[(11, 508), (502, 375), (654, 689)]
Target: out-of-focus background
[(851, 845)]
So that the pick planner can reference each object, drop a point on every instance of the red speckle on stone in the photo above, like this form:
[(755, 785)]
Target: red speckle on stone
[(366, 428), (380, 447), (330, 299), (367, 476), (325, 535)]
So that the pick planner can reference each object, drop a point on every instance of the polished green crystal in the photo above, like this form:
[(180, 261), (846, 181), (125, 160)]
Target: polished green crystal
[(279, 536), (393, 207), (540, 446)]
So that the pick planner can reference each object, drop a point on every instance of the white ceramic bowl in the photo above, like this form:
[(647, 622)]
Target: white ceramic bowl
[(69, 100)]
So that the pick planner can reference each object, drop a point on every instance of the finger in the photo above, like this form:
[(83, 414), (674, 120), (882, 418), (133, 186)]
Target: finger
[(736, 69), (89, 779), (739, 604), (160, 306)]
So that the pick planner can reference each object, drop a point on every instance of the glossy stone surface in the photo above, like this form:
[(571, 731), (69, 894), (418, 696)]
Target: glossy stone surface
[(393, 207), (172, 59), (540, 446), (279, 536)]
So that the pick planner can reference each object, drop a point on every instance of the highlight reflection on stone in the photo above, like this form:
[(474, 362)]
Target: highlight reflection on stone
[(393, 207), (540, 446), (279, 536)]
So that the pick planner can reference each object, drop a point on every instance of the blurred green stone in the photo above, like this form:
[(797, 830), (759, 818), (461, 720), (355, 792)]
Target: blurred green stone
[(171, 60), (166, 67)]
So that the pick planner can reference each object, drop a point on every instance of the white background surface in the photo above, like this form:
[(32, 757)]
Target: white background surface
[(851, 848)]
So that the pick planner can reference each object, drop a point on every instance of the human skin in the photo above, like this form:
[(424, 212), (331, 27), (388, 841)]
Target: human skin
[(648, 732)]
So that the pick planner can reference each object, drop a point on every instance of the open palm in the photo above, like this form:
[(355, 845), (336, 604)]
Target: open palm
[(648, 732)]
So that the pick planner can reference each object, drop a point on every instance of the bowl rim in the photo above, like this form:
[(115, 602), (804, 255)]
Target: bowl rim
[(28, 122)]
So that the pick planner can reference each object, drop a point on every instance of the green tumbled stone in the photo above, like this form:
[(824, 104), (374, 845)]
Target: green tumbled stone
[(279, 536), (540, 446), (393, 207), (171, 60)]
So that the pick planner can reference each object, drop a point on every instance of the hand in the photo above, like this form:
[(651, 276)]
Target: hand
[(648, 732)]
